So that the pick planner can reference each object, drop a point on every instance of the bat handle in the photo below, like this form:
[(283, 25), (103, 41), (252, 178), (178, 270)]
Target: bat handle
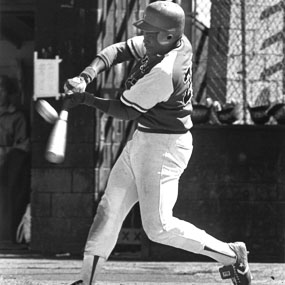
[(66, 102), (63, 115)]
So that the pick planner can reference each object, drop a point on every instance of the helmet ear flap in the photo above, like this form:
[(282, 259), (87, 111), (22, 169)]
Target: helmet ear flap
[(165, 38)]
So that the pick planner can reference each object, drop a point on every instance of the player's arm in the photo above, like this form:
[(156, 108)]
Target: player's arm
[(120, 52), (112, 107), (109, 56)]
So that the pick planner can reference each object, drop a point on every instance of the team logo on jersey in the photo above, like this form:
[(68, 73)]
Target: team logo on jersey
[(141, 69), (138, 72), (144, 63), (188, 80)]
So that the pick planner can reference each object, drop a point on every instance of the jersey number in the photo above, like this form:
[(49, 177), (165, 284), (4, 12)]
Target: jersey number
[(188, 80)]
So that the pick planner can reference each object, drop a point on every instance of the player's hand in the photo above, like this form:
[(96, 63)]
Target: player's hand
[(74, 99), (75, 84)]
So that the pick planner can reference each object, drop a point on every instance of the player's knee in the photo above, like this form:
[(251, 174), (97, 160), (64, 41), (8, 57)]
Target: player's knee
[(105, 208), (155, 233)]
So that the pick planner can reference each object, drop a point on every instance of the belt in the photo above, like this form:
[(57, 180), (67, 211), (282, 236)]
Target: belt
[(161, 131)]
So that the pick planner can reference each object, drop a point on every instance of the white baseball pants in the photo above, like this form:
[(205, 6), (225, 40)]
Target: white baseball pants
[(148, 171)]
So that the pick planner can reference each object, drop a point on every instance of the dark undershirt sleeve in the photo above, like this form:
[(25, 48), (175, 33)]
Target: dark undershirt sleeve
[(108, 57), (112, 107)]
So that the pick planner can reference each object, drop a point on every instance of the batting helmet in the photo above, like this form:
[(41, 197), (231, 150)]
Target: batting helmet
[(166, 18)]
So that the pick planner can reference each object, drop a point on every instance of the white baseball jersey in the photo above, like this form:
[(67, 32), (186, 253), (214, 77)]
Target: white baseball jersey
[(160, 87)]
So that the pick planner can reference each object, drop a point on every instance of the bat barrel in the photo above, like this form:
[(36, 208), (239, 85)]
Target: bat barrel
[(55, 151)]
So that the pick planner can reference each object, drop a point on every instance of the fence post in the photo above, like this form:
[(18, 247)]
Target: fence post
[(243, 44)]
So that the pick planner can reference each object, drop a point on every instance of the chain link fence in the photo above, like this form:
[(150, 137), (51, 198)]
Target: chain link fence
[(239, 58)]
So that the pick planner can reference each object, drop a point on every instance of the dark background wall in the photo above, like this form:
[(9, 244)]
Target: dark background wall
[(63, 195)]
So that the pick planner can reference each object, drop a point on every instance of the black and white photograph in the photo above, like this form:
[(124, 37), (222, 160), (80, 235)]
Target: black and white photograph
[(142, 142)]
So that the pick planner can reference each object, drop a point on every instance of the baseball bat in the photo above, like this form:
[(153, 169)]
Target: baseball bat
[(47, 112), (56, 145)]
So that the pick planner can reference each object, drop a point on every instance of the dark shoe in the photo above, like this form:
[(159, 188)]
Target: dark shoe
[(238, 272), (78, 282)]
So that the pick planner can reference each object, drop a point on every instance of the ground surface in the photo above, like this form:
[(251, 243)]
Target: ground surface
[(34, 270)]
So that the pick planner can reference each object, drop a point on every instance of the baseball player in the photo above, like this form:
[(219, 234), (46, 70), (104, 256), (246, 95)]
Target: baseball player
[(157, 96)]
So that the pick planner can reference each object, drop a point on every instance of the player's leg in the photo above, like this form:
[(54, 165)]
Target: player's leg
[(119, 197), (158, 190), (239, 272)]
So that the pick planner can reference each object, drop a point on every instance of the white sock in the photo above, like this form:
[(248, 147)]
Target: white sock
[(219, 251)]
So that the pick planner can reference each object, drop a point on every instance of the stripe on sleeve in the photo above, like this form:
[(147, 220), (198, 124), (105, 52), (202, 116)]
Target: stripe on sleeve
[(133, 49), (104, 59), (132, 104)]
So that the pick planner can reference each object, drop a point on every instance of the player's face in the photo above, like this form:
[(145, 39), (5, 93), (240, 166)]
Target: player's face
[(151, 43)]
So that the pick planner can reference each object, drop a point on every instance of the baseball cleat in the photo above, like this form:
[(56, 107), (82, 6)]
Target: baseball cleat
[(79, 282), (238, 272)]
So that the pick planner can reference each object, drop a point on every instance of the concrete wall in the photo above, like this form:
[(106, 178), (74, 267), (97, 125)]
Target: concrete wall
[(63, 195), (63, 200)]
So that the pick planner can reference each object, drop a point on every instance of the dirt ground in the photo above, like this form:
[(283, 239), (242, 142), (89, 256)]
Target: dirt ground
[(17, 270)]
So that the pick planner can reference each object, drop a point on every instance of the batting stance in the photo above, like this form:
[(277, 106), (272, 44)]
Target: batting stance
[(158, 96)]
